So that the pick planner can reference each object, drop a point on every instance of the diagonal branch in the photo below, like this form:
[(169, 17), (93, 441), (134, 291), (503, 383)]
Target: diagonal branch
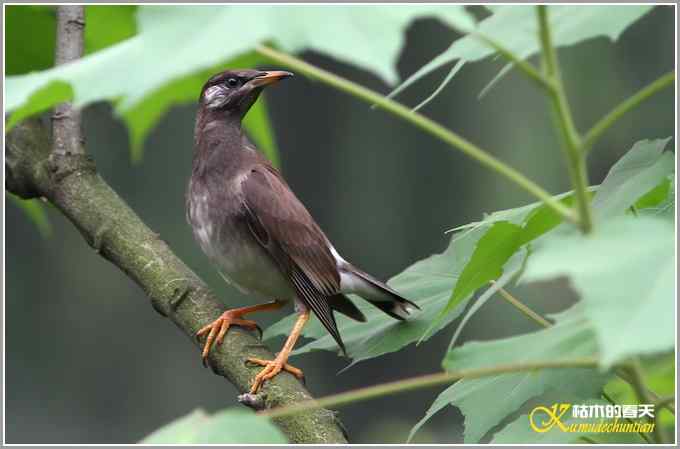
[(115, 232), (68, 178)]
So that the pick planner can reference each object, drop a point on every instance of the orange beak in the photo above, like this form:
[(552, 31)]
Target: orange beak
[(270, 77)]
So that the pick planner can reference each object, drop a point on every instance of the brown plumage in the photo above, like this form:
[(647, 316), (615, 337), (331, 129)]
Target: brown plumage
[(261, 237)]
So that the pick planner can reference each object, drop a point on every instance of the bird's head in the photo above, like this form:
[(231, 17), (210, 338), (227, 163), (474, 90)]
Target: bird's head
[(235, 91)]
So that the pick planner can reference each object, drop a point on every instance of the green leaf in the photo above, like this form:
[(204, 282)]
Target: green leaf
[(510, 271), (172, 43), (493, 249), (428, 283), (523, 215), (143, 116), (381, 334), (230, 426), (35, 211), (624, 272), (655, 196), (520, 431), (508, 393), (641, 169), (34, 24), (570, 338), (516, 28), (108, 25), (41, 99), (536, 220), (659, 377)]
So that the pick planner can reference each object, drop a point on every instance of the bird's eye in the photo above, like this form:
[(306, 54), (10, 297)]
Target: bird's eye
[(232, 82)]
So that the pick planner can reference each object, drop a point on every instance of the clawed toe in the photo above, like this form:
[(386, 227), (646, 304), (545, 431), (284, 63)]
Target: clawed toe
[(217, 330), (270, 370)]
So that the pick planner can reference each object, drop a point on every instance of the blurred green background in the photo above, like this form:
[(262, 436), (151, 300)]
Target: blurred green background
[(89, 361)]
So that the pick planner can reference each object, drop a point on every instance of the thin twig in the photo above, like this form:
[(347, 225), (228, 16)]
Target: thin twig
[(431, 127), (428, 380), (613, 402), (637, 381), (66, 128), (666, 402), (525, 66), (523, 307), (622, 374), (622, 108)]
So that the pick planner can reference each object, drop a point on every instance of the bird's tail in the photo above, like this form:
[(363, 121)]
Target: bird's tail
[(379, 294)]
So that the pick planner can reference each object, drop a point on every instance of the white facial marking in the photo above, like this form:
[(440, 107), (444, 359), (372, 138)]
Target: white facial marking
[(213, 96)]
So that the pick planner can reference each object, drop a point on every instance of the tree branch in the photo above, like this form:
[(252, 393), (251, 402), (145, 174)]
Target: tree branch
[(68, 178), (66, 128), (70, 181)]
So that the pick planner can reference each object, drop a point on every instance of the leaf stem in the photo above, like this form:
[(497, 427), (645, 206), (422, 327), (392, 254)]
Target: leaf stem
[(523, 307), (622, 374), (637, 381), (425, 381), (622, 108), (431, 127), (613, 402), (525, 66), (666, 402), (570, 137)]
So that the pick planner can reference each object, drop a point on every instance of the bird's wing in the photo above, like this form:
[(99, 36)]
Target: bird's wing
[(284, 227)]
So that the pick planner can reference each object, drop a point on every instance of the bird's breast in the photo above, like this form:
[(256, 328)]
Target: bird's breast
[(218, 227)]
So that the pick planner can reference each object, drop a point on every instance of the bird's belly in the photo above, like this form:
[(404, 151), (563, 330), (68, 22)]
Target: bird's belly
[(238, 256), (248, 267)]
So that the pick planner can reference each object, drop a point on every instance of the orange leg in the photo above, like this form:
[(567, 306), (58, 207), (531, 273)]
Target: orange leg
[(218, 328), (274, 367)]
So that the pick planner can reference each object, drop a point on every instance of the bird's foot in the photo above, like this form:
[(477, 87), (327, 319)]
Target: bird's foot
[(271, 369), (218, 329)]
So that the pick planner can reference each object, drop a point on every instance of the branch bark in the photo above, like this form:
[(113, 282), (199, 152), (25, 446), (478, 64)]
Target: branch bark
[(70, 181), (67, 177), (66, 126)]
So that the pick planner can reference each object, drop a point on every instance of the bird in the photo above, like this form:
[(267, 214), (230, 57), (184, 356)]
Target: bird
[(260, 236)]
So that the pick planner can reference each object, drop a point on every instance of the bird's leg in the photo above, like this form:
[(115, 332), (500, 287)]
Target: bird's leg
[(218, 328), (274, 367)]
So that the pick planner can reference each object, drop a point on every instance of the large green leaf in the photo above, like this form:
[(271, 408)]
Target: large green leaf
[(520, 432), (493, 249), (176, 41), (656, 197), (637, 173), (428, 283), (511, 271), (230, 426), (507, 229), (108, 25), (625, 274), (142, 117), (515, 27), (508, 393), (570, 338), (21, 23)]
